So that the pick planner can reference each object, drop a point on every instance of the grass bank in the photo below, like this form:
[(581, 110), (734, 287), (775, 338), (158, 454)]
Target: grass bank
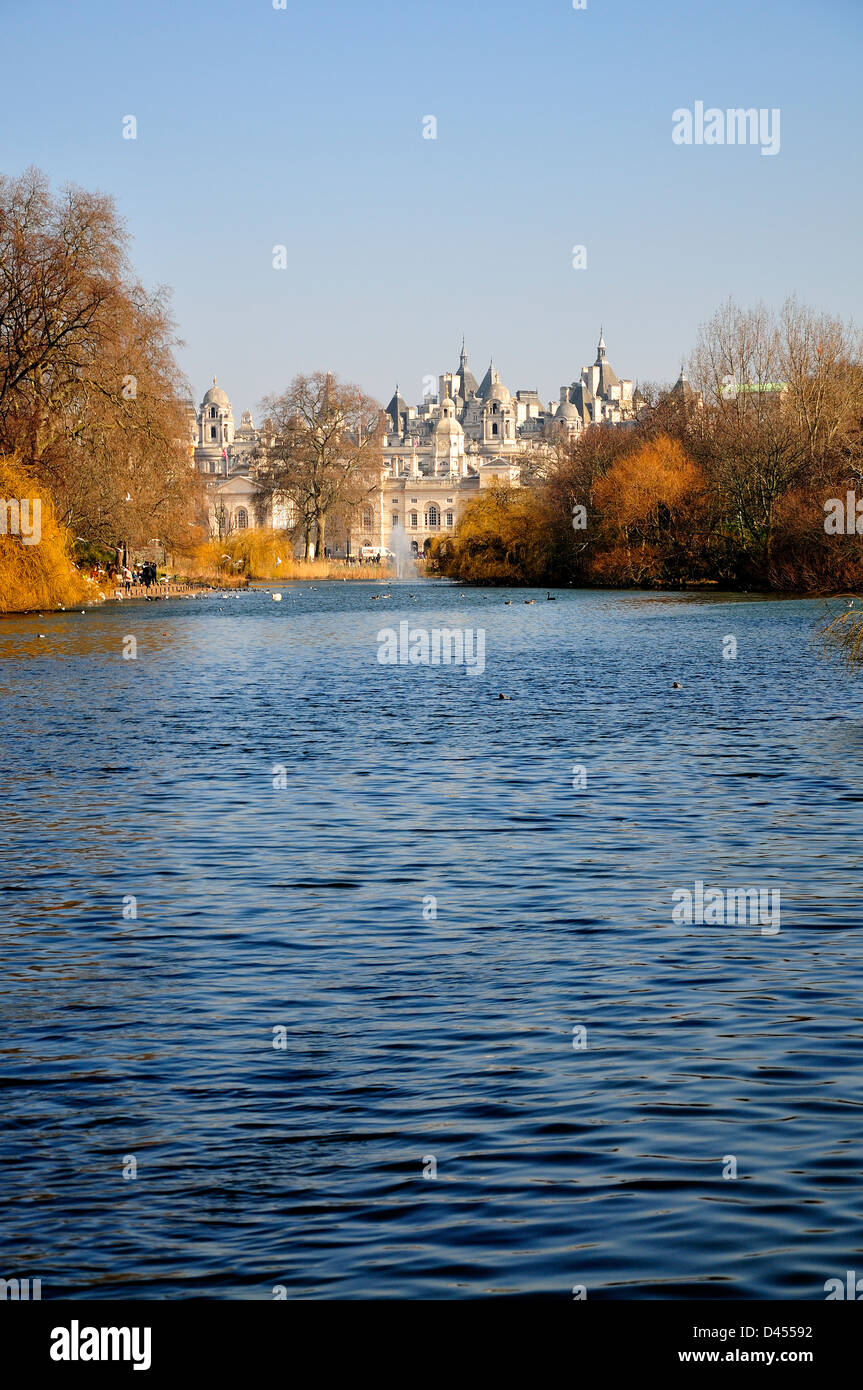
[(38, 575)]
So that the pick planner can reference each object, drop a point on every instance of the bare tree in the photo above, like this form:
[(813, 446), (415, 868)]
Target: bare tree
[(323, 450), (747, 439)]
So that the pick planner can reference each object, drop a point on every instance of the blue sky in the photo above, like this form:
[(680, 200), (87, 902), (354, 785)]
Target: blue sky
[(303, 127)]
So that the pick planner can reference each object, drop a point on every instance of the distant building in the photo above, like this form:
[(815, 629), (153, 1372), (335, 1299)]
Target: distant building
[(224, 454), (441, 453), (436, 455), (599, 397)]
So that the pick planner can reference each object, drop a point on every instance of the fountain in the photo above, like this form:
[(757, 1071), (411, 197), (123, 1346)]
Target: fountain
[(404, 557)]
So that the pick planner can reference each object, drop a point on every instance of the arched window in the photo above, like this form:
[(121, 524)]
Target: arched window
[(212, 412), (242, 519), (494, 428), (432, 516)]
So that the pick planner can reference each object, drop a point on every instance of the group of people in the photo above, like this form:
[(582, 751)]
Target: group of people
[(140, 574)]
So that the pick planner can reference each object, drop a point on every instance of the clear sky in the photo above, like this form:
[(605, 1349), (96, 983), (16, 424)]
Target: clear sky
[(304, 127)]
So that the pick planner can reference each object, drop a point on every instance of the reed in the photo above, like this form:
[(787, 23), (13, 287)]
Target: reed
[(255, 556)]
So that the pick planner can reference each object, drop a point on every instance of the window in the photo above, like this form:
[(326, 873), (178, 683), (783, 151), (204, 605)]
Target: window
[(494, 428), (395, 519), (449, 518), (432, 516), (368, 520), (212, 412), (212, 431), (414, 500), (242, 519), (414, 519)]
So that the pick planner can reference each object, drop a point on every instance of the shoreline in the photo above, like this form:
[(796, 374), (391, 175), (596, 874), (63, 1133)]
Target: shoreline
[(140, 595)]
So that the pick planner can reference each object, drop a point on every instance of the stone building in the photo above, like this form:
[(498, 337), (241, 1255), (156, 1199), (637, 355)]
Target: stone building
[(224, 454), (599, 397), (441, 453), (437, 455)]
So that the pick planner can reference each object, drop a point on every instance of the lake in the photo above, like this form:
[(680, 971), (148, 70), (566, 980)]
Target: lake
[(339, 977)]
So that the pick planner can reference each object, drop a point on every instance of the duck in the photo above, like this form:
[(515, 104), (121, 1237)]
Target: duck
[(551, 598), (508, 602), (504, 697), (677, 686), (530, 600)]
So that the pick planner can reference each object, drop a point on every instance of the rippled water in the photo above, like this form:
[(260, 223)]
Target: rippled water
[(411, 1036)]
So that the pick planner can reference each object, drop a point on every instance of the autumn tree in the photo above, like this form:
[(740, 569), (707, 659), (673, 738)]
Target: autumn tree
[(647, 505), (507, 535), (782, 422), (322, 450), (90, 394)]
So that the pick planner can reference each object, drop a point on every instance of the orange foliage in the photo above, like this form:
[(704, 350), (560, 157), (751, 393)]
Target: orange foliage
[(659, 474)]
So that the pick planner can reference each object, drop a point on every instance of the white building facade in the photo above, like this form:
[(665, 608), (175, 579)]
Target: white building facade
[(437, 455)]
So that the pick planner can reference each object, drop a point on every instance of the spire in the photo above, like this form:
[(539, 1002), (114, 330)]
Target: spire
[(467, 381), (600, 351)]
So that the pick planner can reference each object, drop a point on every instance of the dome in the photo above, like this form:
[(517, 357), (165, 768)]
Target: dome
[(566, 411), (216, 396), (498, 392), (448, 424)]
